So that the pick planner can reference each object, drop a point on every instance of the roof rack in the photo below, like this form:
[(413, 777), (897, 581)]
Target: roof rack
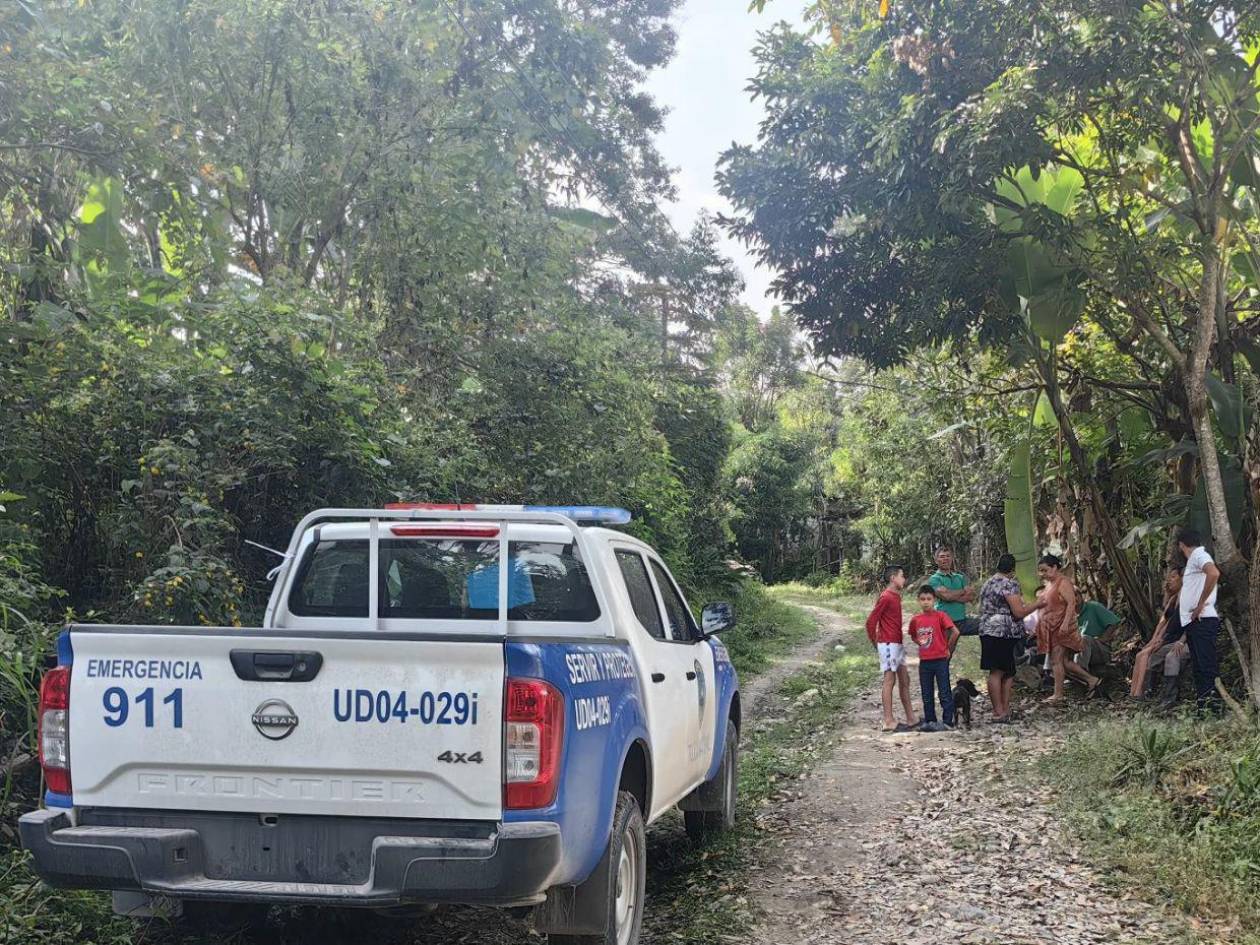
[(399, 512)]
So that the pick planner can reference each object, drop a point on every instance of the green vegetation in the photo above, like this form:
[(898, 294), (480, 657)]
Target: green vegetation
[(1040, 224), (261, 256), (765, 628), (1174, 805), (832, 595)]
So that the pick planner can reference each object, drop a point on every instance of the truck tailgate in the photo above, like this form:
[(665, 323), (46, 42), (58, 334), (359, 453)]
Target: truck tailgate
[(203, 719)]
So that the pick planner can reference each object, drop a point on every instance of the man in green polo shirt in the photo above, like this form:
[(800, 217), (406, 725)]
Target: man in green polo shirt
[(1098, 627), (952, 593)]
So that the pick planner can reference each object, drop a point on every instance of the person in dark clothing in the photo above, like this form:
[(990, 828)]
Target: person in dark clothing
[(1162, 656)]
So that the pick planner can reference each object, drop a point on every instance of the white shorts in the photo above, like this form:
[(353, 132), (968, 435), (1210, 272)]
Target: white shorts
[(892, 656)]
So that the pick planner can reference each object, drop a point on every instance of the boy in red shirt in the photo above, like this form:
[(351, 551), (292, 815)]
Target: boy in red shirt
[(883, 627), (936, 636)]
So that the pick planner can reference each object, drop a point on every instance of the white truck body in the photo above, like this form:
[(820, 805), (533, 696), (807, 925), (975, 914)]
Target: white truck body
[(467, 705)]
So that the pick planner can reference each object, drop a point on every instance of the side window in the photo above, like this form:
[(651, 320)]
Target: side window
[(332, 581), (634, 573), (681, 626)]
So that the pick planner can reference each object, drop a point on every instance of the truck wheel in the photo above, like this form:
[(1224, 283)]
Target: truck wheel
[(627, 854), (703, 825)]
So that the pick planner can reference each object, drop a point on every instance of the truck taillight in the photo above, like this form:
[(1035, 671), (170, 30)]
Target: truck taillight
[(534, 724), (54, 729)]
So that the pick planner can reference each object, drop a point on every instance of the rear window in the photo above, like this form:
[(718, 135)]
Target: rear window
[(332, 581), (446, 579)]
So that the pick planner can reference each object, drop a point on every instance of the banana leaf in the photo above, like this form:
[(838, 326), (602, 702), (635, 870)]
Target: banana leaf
[(1235, 499), (1021, 530), (1229, 407), (1044, 416)]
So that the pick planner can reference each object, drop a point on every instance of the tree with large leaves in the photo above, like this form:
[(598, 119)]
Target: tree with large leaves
[(990, 172)]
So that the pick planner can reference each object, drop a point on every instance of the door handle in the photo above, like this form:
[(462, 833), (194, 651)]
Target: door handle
[(276, 665), (691, 675), (658, 677)]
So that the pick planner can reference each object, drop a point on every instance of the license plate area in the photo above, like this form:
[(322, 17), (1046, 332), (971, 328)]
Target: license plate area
[(286, 847)]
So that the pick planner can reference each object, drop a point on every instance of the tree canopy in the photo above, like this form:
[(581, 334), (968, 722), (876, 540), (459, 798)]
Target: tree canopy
[(1071, 186)]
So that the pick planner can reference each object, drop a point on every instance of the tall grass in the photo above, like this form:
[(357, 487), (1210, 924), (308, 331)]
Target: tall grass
[(23, 643), (1175, 805)]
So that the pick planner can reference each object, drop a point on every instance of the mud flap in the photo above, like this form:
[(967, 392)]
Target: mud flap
[(708, 796), (580, 909)]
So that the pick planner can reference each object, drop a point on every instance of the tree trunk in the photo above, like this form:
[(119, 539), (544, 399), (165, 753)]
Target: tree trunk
[(41, 254), (1234, 571), (1226, 551), (1251, 665), (1139, 603)]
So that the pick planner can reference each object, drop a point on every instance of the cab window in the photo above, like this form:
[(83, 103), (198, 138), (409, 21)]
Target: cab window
[(642, 597), (681, 626), (332, 581), (448, 579)]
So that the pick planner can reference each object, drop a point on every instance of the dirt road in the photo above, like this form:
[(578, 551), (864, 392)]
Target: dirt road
[(925, 839)]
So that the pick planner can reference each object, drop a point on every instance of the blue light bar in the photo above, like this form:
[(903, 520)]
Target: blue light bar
[(590, 514), (602, 514)]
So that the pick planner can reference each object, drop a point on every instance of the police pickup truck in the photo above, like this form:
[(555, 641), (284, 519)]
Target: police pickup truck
[(445, 704)]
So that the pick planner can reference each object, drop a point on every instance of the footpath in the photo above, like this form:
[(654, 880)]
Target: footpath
[(927, 838)]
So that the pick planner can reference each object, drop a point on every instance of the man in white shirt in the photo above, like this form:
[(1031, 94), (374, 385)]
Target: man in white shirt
[(1198, 615)]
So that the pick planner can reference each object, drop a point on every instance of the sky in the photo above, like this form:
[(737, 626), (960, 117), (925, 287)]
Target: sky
[(709, 109)]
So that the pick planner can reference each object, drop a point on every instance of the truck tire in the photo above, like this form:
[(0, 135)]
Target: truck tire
[(703, 825), (627, 849)]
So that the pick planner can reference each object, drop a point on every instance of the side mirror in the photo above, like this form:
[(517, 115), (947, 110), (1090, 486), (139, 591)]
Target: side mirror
[(716, 618)]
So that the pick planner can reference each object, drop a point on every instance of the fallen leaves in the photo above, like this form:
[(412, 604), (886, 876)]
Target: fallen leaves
[(922, 839)]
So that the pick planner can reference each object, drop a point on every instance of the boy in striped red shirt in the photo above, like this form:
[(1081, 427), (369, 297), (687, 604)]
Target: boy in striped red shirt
[(883, 627)]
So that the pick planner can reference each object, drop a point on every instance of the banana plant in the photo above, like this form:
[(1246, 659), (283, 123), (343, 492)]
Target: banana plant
[(1017, 508), (1018, 514)]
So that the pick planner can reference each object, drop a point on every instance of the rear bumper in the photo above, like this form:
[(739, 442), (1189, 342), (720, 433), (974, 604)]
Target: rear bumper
[(511, 865)]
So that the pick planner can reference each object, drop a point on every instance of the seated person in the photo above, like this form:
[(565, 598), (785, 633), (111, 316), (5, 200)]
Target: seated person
[(1167, 666), (1032, 663), (1099, 627), (1166, 652), (1035, 655)]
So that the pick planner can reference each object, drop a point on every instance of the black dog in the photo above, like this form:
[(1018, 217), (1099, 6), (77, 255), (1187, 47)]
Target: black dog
[(964, 692)]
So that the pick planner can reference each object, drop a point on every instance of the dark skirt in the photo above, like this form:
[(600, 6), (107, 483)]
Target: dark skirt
[(997, 654)]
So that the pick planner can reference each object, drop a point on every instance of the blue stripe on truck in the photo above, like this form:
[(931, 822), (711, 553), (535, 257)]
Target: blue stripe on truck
[(726, 685), (65, 650), (603, 718)]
